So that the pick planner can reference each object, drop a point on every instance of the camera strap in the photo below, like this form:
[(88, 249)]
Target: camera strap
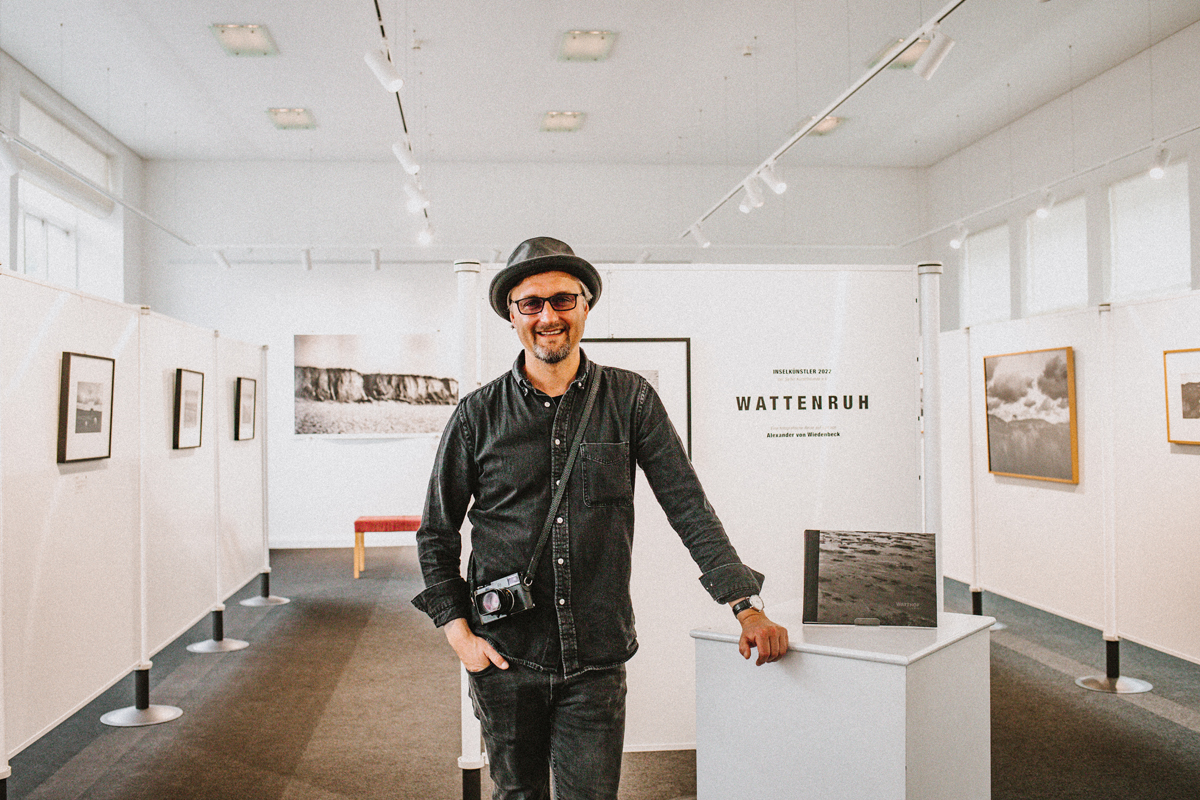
[(566, 473)]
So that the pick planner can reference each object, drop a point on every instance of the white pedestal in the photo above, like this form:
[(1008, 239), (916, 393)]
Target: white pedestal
[(853, 713)]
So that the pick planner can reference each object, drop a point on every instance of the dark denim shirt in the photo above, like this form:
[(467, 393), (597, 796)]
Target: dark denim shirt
[(505, 447)]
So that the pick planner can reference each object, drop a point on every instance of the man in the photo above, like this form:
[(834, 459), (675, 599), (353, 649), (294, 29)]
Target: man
[(548, 681)]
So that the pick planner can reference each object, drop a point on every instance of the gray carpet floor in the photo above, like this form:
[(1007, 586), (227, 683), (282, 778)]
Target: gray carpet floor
[(348, 692)]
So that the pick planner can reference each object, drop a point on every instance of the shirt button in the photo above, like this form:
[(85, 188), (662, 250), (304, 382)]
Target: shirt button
[(547, 404), (559, 520), (557, 482), (562, 602), (560, 561), (558, 441)]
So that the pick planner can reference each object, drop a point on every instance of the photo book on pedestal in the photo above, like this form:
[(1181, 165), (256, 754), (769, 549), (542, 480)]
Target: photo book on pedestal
[(870, 578)]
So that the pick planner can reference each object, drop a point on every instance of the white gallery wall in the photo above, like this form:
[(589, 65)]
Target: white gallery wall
[(106, 561)]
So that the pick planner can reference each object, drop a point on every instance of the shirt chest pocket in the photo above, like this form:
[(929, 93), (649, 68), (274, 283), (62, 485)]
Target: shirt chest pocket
[(606, 479)]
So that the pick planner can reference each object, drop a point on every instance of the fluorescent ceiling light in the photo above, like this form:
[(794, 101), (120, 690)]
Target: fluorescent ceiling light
[(245, 40), (586, 45), (562, 121), (292, 118), (907, 59)]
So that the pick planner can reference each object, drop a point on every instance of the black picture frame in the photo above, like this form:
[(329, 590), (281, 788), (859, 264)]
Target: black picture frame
[(85, 401), (189, 409), (244, 408)]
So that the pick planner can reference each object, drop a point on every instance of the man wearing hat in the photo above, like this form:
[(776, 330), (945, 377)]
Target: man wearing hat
[(544, 458)]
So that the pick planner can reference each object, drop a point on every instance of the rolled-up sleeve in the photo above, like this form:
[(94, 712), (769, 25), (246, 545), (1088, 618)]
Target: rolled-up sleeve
[(439, 543)]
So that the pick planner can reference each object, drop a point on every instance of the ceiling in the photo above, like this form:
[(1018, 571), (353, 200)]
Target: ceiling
[(689, 81)]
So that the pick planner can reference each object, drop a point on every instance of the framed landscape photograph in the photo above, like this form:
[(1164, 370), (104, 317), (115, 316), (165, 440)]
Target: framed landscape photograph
[(1181, 369), (1031, 415), (666, 363), (189, 408), (243, 409), (85, 407)]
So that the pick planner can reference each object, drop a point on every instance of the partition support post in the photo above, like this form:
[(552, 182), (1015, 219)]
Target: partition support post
[(265, 598), (1111, 681), (929, 277), (218, 643), (470, 784), (141, 712)]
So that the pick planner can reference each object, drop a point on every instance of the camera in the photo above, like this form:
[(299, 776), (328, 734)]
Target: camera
[(502, 598)]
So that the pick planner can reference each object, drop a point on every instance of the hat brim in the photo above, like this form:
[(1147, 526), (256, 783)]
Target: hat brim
[(510, 276)]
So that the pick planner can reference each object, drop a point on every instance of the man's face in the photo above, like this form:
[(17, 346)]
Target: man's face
[(550, 335)]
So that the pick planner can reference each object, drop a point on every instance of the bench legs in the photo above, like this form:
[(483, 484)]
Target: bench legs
[(360, 554)]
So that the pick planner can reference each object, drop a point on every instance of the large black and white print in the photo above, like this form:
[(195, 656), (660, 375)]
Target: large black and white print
[(1182, 368), (372, 386), (883, 577), (1031, 415)]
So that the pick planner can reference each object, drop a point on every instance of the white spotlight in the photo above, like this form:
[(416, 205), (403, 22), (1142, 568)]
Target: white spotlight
[(425, 237), (753, 198), (772, 180), (1043, 210), (1161, 160), (306, 259), (960, 238), (8, 159), (405, 158), (376, 263), (698, 236), (384, 70), (221, 260), (417, 199), (934, 55)]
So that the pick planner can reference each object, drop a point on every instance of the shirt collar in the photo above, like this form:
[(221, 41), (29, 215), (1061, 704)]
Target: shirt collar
[(581, 376)]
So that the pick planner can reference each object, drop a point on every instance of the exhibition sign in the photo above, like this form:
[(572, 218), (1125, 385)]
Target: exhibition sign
[(372, 386), (1031, 424), (1181, 369), (85, 407), (189, 409)]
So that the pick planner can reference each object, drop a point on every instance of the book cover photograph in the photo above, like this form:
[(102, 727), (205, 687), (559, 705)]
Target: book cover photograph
[(870, 578)]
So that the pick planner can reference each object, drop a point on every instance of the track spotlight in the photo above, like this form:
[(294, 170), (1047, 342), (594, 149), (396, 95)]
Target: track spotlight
[(384, 70), (376, 263), (934, 55), (753, 198), (698, 236), (306, 259), (425, 237), (8, 159), (960, 238), (417, 200), (769, 177), (1043, 209), (405, 158), (221, 260), (1161, 160)]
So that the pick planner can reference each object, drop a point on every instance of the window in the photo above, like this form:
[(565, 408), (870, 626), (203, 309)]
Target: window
[(986, 285), (1056, 275), (47, 251), (1151, 235)]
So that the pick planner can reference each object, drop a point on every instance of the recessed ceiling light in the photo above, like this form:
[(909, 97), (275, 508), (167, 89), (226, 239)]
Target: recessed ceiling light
[(905, 60), (245, 40), (826, 126), (562, 121), (586, 45), (292, 118)]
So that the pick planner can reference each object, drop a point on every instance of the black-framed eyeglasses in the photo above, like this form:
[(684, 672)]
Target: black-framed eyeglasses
[(559, 302)]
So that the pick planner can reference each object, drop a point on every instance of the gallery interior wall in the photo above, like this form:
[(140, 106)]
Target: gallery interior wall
[(71, 613)]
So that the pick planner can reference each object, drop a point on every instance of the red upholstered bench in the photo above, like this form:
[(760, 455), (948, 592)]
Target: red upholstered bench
[(373, 525)]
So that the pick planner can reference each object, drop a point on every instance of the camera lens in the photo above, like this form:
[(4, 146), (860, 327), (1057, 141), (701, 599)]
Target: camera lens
[(490, 602)]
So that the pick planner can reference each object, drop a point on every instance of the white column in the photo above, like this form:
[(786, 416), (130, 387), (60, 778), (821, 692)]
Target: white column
[(5, 771), (260, 401), (1107, 471), (930, 275), (970, 421)]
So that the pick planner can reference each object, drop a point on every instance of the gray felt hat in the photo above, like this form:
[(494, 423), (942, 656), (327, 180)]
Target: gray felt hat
[(537, 255)]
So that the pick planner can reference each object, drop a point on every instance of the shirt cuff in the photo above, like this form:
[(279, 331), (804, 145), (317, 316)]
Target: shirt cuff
[(444, 601), (731, 581)]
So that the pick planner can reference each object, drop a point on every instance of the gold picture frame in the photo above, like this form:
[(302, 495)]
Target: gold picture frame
[(1181, 376), (1031, 421)]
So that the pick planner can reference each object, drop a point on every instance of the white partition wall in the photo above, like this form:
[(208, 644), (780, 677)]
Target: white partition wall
[(71, 590), (769, 332), (240, 465), (179, 503)]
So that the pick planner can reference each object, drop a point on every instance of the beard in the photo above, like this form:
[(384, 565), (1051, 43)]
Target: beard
[(552, 355)]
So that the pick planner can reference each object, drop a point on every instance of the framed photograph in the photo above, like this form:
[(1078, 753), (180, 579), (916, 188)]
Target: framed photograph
[(665, 363), (870, 578), (189, 408), (243, 409), (1182, 371), (1031, 415), (85, 408)]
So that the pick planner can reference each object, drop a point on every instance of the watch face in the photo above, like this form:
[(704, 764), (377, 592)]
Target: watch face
[(756, 602)]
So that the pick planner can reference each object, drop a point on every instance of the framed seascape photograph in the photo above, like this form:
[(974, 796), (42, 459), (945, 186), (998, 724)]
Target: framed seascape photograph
[(870, 578), (1182, 371), (665, 363), (243, 409), (189, 408), (85, 407), (1031, 415)]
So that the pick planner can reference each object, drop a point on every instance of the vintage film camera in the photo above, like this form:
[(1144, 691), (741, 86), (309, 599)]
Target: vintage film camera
[(502, 598)]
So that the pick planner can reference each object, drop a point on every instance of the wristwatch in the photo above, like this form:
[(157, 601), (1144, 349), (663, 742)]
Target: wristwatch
[(753, 601)]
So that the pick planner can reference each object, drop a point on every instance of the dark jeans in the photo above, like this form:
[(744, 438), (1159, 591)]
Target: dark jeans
[(536, 721)]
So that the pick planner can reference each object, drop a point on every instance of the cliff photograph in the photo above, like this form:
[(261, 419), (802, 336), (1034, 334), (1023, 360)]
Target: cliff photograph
[(351, 385)]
